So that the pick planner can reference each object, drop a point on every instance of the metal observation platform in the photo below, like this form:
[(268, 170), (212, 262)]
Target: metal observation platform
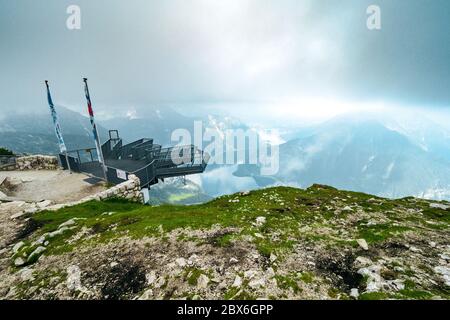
[(148, 161)]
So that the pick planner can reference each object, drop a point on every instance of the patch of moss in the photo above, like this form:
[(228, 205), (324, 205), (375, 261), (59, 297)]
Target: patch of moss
[(373, 296), (415, 294), (288, 282), (192, 275), (306, 277)]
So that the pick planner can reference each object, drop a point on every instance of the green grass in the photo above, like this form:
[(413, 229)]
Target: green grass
[(373, 296), (286, 210), (288, 282), (192, 275), (293, 216), (307, 277), (380, 232)]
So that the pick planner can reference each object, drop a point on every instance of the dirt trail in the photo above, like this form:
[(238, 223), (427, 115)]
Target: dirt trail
[(58, 186)]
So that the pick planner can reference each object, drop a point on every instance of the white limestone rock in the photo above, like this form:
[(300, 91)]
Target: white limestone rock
[(202, 281), (363, 244)]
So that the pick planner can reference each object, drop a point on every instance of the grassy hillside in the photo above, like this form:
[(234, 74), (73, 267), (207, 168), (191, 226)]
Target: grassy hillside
[(281, 243)]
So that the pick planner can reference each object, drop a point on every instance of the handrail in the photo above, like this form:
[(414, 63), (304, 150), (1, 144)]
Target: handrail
[(83, 149)]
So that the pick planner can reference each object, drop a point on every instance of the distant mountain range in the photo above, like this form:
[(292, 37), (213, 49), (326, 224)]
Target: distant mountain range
[(365, 154), (376, 154), (34, 132)]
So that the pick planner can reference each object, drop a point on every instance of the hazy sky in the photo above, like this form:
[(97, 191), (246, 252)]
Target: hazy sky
[(290, 55)]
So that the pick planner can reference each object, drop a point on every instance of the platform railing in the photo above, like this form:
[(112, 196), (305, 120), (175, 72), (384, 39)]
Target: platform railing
[(7, 160)]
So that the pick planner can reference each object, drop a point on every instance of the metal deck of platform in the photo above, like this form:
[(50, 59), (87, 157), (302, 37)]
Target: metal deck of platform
[(148, 161)]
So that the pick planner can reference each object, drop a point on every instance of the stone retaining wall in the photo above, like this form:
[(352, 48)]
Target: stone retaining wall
[(130, 190), (35, 162)]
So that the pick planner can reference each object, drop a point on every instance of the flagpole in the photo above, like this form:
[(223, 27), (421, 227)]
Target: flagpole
[(62, 146), (68, 163), (94, 130)]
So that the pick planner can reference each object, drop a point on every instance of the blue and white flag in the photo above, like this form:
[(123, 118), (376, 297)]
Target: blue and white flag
[(62, 145)]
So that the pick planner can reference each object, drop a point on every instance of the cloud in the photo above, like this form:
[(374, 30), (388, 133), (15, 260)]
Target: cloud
[(143, 52)]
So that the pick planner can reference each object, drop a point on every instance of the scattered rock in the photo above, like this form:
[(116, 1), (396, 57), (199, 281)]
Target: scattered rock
[(439, 206), (36, 253), (193, 259), (68, 223), (374, 280), (270, 272), (237, 282), (150, 277), (44, 204), (11, 184), (273, 258), (260, 221), (361, 262), (181, 262), (57, 232), (147, 295), (363, 244), (17, 246), (160, 282), (19, 262), (19, 214), (354, 292), (444, 271), (249, 274), (202, 281), (73, 280), (26, 274), (233, 260), (257, 283)]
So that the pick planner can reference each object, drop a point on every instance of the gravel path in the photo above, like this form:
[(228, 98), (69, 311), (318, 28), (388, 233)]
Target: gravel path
[(58, 186)]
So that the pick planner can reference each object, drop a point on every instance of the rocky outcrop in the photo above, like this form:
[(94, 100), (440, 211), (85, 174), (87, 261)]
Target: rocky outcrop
[(35, 162)]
